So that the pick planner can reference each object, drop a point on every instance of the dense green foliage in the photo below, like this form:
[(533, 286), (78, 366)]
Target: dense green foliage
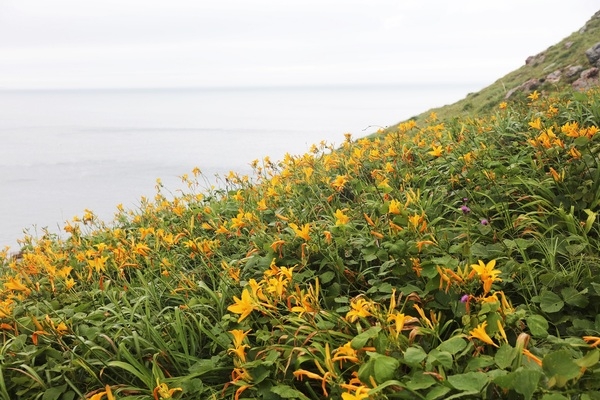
[(440, 260)]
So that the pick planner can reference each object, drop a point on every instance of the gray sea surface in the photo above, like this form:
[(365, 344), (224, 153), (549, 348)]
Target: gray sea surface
[(64, 151)]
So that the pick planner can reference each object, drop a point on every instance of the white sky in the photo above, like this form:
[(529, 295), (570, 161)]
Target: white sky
[(183, 43)]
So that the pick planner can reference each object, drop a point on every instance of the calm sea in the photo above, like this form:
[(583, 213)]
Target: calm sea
[(64, 151)]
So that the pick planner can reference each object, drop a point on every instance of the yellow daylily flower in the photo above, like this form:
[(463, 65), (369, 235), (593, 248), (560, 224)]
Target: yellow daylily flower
[(361, 393), (163, 391), (303, 232), (480, 333), (360, 308), (487, 274), (341, 218), (243, 306)]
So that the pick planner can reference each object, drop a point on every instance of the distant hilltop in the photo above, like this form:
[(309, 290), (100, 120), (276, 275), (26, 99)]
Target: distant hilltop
[(573, 62)]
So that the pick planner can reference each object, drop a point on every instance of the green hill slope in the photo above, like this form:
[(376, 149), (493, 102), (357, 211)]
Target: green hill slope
[(568, 57)]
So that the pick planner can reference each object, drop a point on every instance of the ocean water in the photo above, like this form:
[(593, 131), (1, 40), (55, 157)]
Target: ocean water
[(62, 152)]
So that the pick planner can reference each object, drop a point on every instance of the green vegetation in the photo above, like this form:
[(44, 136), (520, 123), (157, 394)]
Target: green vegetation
[(455, 258), (568, 52)]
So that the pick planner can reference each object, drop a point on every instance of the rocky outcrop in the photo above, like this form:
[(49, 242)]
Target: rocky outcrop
[(554, 77), (588, 79), (593, 55), (527, 86), (573, 70), (535, 60)]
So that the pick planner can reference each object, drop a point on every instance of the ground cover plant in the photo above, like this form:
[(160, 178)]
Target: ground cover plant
[(444, 259)]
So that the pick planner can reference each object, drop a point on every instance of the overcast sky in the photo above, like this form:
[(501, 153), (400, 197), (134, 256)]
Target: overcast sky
[(186, 43)]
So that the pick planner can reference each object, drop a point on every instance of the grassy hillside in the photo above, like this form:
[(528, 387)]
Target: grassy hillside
[(455, 258), (568, 52)]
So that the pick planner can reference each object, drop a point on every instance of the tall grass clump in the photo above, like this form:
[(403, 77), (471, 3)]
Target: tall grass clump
[(445, 259)]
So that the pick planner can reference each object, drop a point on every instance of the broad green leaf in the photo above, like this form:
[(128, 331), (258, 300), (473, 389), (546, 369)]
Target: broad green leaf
[(526, 382), (520, 244), (581, 141), (437, 392), (469, 382), (287, 392), (442, 358), (523, 381), (560, 368), (550, 302), (361, 339), (574, 298), (480, 362), (202, 366), (538, 326), (414, 355), (505, 356), (453, 345), (420, 381), (589, 360), (384, 367), (259, 374), (54, 393), (574, 249), (554, 396), (327, 277)]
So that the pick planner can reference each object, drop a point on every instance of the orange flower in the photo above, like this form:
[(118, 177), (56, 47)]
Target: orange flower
[(100, 395), (593, 341)]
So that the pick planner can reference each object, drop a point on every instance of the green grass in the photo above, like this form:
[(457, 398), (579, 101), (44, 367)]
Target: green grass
[(558, 56)]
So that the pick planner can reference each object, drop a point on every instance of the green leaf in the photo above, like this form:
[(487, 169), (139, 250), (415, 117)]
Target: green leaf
[(442, 358), (574, 298), (589, 360), (554, 396), (560, 368), (526, 382), (327, 277), (453, 345), (437, 392), (414, 355), (384, 367), (550, 302), (538, 326), (287, 392), (202, 366), (523, 381), (361, 339), (420, 381), (479, 362), (581, 141), (54, 393), (520, 244), (469, 382), (505, 356)]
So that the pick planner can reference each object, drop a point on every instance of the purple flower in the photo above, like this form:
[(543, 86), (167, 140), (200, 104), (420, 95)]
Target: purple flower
[(465, 209), (464, 298), (485, 222), (465, 199)]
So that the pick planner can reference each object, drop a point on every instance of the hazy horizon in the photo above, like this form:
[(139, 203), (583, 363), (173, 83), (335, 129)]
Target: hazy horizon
[(186, 43)]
